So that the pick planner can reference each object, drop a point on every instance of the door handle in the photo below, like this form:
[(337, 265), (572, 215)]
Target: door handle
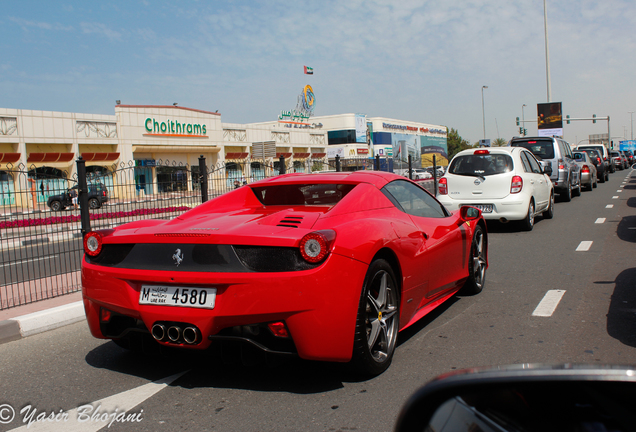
[(424, 235)]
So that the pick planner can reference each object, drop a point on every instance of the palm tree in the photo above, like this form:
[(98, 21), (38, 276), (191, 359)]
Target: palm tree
[(499, 142)]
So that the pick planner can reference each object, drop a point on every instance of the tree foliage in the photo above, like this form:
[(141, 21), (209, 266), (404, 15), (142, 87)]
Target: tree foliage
[(455, 143), (500, 142)]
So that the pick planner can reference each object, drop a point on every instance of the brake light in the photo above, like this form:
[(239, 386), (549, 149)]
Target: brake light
[(585, 169), (93, 243), (598, 160), (516, 185), (442, 186), (561, 165), (314, 247), (482, 152), (532, 142)]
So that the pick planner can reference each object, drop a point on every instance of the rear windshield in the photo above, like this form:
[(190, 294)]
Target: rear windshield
[(592, 153), (481, 165), (542, 149), (302, 194)]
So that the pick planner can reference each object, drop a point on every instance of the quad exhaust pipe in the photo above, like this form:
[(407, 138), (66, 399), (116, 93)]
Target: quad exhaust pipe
[(176, 333)]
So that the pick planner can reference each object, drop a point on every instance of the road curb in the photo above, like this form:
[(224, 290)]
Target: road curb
[(39, 322)]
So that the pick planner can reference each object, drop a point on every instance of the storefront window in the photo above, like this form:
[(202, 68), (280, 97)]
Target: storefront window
[(172, 179), (342, 137)]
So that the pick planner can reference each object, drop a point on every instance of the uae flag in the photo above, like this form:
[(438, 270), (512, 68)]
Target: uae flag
[(309, 71)]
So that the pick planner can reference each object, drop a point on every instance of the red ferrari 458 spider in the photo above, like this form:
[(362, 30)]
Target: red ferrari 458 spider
[(324, 266)]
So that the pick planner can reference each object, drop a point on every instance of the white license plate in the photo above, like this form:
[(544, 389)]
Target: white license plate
[(485, 208), (160, 295)]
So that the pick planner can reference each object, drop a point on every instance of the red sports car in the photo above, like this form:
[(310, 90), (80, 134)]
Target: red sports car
[(325, 266)]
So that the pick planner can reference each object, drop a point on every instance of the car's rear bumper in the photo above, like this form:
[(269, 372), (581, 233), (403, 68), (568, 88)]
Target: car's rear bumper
[(319, 306), (512, 207)]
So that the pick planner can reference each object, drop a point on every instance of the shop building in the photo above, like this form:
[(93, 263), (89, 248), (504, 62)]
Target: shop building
[(159, 141)]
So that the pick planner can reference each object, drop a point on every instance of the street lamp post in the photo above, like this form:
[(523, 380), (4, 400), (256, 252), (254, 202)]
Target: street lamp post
[(483, 111), (632, 115), (547, 51)]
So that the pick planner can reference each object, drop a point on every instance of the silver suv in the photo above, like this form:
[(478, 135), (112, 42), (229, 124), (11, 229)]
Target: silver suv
[(566, 174)]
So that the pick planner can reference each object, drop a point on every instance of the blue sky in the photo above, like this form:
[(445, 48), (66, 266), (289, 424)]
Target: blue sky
[(421, 61)]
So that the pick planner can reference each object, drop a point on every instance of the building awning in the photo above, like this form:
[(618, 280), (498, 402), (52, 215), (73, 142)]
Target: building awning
[(9, 157), (301, 155), (285, 155), (50, 157), (236, 155), (101, 157), (318, 155)]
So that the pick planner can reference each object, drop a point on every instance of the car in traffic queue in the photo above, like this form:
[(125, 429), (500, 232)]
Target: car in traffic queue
[(625, 159), (264, 267), (588, 169), (505, 183), (630, 156), (617, 160), (557, 152), (97, 196), (597, 160), (604, 152)]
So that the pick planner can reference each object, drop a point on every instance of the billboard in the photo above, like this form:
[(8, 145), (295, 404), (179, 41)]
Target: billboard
[(550, 119), (434, 146), (361, 128)]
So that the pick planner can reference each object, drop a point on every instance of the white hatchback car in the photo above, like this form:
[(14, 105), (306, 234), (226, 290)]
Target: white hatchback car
[(505, 183)]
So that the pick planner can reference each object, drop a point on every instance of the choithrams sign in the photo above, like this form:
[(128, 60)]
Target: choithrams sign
[(172, 128)]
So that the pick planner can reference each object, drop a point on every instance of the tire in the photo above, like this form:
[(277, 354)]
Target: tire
[(378, 320), (528, 223), (93, 203), (567, 195), (56, 206), (606, 176), (549, 213), (476, 264), (577, 191)]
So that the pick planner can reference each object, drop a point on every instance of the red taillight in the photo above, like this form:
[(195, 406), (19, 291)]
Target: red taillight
[(532, 142), (278, 329), (314, 247), (561, 165), (598, 160), (585, 169), (516, 185), (93, 243), (482, 152), (442, 186)]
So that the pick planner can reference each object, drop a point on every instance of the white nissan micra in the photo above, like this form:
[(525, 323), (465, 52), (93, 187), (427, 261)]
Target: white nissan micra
[(505, 183)]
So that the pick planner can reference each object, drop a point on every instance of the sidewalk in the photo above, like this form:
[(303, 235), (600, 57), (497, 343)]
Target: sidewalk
[(41, 316)]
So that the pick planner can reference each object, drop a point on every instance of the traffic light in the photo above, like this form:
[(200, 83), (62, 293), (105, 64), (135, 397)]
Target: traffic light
[(525, 131), (517, 121), (520, 130), (567, 119), (593, 118)]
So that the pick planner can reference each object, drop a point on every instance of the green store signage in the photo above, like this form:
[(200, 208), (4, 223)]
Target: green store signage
[(173, 128)]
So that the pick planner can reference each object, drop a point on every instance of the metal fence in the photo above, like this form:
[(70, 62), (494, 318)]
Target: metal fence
[(41, 249)]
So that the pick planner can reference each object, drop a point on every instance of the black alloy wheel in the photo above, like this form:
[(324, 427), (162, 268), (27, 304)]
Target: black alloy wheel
[(476, 263)]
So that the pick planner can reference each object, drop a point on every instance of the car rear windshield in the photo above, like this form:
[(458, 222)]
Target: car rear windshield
[(542, 149), (302, 194), (481, 165)]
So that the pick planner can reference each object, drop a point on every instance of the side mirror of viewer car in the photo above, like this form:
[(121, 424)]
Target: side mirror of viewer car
[(525, 398), (469, 213)]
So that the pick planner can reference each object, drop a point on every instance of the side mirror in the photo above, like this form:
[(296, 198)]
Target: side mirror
[(467, 213), (547, 168), (524, 397), (634, 166)]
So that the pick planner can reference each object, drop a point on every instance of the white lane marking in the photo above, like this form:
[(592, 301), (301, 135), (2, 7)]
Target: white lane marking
[(615, 197), (609, 206), (584, 246), (620, 190), (549, 303), (600, 220), (116, 404)]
